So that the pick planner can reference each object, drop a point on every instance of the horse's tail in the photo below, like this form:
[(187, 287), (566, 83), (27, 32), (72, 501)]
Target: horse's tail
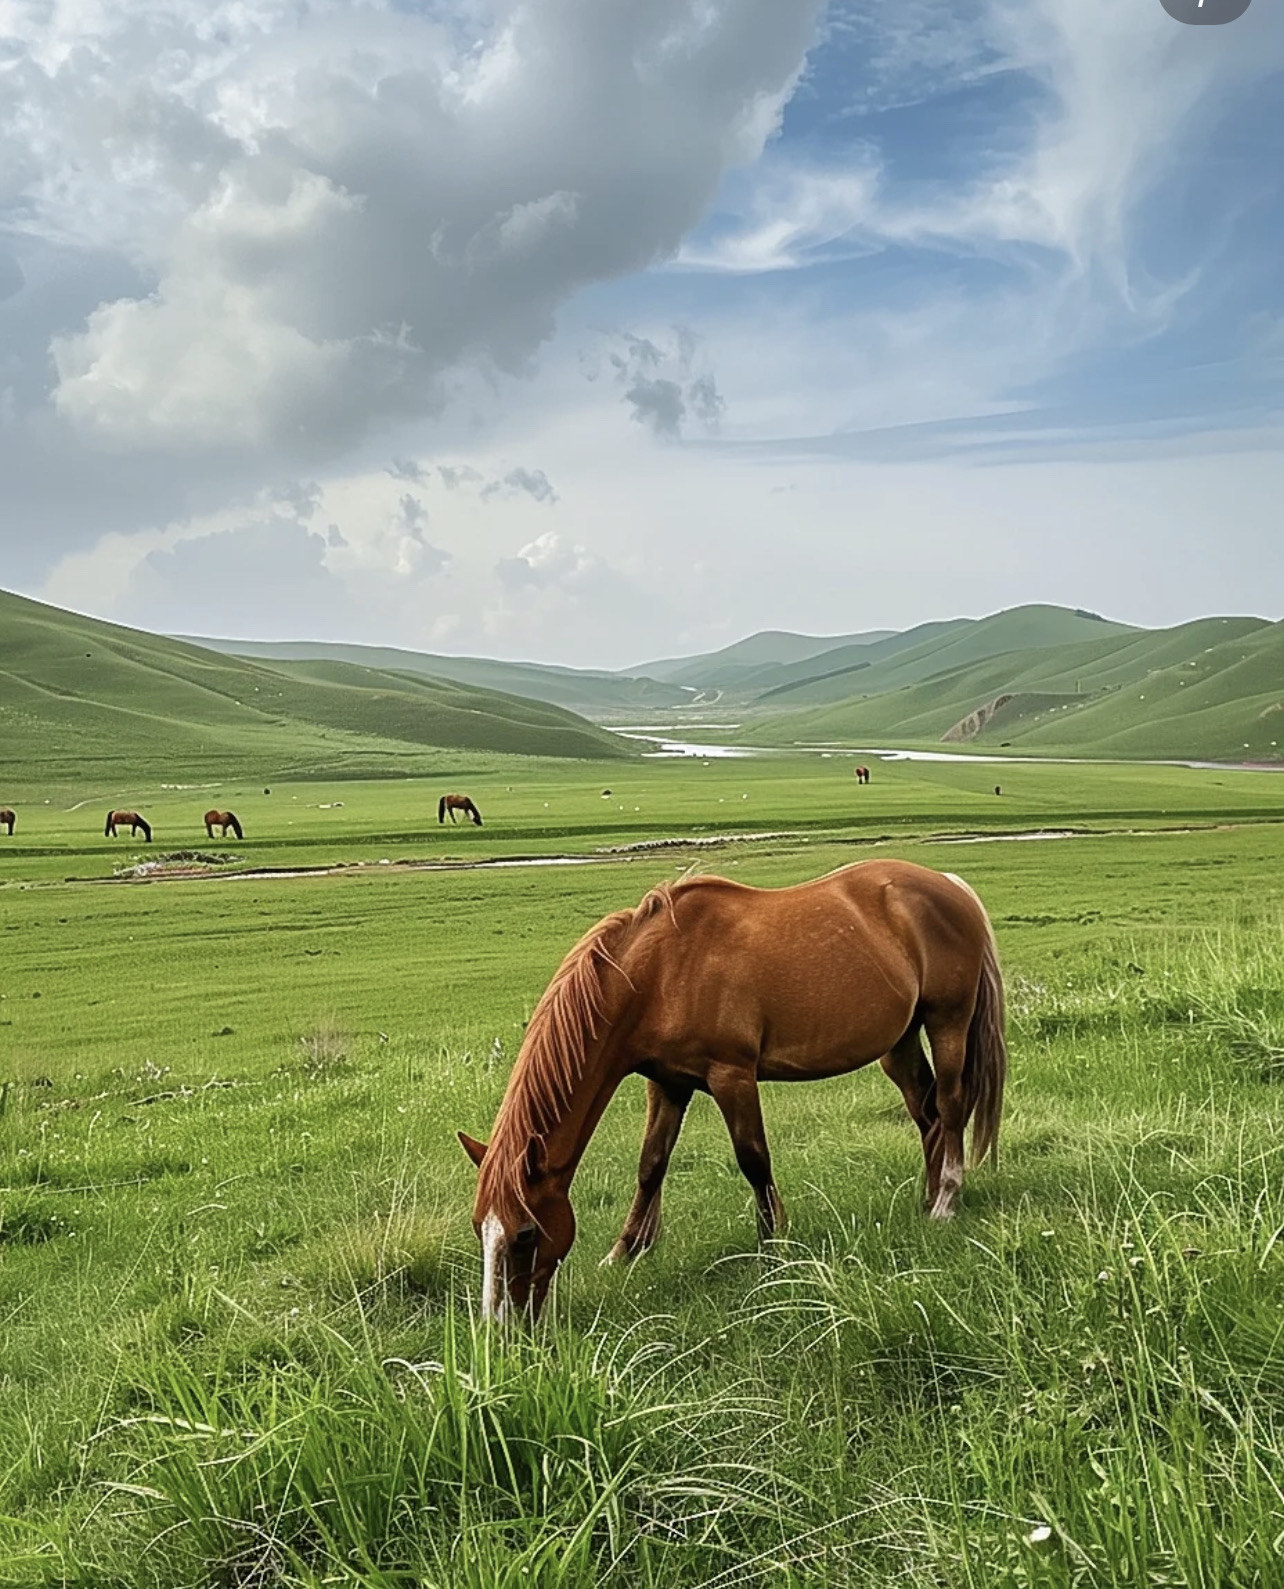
[(441, 809), (107, 827), (146, 827), (985, 1064), (234, 824)]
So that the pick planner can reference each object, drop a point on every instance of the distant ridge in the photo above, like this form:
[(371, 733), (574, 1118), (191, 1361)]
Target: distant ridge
[(578, 689), (734, 664)]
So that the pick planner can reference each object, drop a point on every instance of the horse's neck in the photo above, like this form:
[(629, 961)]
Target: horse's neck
[(603, 1070), (569, 1113)]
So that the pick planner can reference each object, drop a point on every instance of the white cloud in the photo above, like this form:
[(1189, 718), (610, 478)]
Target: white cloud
[(547, 560), (336, 209)]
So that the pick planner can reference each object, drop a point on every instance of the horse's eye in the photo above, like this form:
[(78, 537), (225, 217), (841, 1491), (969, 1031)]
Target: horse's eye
[(525, 1237)]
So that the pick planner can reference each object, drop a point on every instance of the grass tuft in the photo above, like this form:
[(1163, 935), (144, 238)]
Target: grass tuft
[(326, 1048), (562, 1458)]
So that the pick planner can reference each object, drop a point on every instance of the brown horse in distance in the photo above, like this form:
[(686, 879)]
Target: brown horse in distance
[(7, 819), (457, 802), (711, 986), (222, 820), (127, 819), (862, 775)]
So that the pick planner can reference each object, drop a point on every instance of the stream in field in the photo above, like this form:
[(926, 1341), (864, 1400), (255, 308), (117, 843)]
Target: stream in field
[(669, 748)]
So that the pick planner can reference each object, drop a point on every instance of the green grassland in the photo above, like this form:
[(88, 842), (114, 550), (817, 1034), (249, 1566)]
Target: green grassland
[(237, 1268), (77, 695), (534, 807)]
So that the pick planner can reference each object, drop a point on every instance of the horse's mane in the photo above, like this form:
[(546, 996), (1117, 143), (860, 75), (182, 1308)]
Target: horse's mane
[(551, 1061)]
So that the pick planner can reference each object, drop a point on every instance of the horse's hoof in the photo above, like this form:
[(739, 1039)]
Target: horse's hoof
[(617, 1254)]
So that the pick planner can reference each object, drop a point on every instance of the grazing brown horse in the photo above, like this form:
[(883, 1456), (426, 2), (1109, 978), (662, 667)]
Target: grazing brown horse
[(127, 819), (862, 775), (222, 820), (711, 986), (455, 802), (7, 819)]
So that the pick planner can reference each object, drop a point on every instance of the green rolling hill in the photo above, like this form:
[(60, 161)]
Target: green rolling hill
[(1212, 689), (79, 697), (577, 689)]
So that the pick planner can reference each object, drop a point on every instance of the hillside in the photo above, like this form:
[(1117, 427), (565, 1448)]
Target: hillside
[(78, 696), (936, 648), (1212, 689), (578, 689)]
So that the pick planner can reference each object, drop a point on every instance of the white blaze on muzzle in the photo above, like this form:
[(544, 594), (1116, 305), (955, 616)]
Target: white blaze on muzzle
[(494, 1269)]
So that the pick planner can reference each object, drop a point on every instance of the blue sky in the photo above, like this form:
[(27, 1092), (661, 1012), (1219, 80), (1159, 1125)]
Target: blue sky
[(582, 331)]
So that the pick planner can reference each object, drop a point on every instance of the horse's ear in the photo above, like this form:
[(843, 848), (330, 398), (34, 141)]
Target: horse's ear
[(475, 1150), (536, 1159)]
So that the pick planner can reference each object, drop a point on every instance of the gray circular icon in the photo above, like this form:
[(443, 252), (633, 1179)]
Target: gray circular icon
[(1207, 13)]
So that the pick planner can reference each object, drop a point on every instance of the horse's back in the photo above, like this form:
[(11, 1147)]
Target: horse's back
[(836, 967), (889, 896)]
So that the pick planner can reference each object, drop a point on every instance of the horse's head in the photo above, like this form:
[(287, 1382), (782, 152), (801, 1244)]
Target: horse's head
[(526, 1227)]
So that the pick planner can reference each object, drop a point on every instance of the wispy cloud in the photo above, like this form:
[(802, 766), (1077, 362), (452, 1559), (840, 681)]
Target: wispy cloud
[(794, 216)]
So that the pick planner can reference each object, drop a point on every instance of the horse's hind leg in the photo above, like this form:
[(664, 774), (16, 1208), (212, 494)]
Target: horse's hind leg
[(907, 1066), (665, 1109), (948, 1037), (735, 1091)]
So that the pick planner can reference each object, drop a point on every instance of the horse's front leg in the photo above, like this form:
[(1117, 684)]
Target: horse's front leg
[(734, 1088), (665, 1109)]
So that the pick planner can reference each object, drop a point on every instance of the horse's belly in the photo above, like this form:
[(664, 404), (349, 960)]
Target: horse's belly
[(800, 1069), (813, 1057)]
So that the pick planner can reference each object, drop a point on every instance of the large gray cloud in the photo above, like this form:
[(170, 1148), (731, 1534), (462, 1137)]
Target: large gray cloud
[(327, 210)]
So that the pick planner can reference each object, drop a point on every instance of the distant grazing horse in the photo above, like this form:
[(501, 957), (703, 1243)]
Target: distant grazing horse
[(862, 775), (7, 819), (129, 819), (223, 820), (453, 803), (711, 986)]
